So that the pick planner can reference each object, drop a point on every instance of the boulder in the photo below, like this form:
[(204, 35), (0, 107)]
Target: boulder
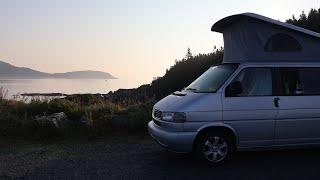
[(57, 120)]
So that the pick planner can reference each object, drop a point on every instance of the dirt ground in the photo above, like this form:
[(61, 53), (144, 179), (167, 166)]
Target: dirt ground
[(139, 157)]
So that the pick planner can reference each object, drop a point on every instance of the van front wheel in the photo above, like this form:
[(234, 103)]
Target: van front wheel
[(214, 148)]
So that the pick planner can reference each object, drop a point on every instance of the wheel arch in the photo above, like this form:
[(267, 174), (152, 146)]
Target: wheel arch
[(217, 127)]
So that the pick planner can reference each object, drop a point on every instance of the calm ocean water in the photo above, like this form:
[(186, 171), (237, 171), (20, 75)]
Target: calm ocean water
[(67, 86)]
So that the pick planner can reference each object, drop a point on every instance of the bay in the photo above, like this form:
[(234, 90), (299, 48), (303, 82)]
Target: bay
[(65, 86)]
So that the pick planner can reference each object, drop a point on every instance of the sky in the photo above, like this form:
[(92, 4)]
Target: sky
[(135, 40)]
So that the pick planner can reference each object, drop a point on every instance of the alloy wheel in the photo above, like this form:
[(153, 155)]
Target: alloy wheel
[(215, 149)]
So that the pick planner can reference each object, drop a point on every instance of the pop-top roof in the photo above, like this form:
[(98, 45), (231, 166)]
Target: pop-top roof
[(250, 37)]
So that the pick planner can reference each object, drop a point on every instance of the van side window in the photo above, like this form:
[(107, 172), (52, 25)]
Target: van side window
[(300, 81), (252, 82)]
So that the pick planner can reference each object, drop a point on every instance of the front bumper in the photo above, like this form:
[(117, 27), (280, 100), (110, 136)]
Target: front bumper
[(181, 142)]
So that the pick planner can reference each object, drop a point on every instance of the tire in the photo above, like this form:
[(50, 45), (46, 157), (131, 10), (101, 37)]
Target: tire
[(214, 148)]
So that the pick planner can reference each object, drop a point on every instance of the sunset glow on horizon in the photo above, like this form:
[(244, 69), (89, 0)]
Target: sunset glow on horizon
[(132, 40)]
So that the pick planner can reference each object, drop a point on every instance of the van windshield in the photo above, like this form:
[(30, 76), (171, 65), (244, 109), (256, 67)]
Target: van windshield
[(212, 79)]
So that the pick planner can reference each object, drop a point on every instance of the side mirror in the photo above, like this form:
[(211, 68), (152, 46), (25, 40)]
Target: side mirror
[(234, 89)]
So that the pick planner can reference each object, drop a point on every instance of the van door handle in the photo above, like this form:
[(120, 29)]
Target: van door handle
[(276, 102)]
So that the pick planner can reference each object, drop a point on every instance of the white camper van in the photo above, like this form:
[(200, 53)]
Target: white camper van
[(265, 94)]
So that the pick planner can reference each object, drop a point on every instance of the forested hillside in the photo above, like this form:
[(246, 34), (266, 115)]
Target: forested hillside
[(183, 72), (186, 70), (309, 21)]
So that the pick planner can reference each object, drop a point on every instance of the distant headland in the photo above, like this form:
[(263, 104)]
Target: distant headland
[(8, 71)]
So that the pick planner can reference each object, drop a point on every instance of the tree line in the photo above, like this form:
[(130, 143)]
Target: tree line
[(309, 21)]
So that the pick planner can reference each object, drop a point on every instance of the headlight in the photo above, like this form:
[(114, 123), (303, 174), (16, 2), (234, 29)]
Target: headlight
[(167, 116), (177, 117)]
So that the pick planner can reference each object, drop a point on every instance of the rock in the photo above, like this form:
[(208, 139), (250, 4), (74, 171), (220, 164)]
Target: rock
[(58, 120)]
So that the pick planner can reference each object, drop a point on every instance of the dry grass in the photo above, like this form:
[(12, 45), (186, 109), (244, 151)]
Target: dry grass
[(3, 93)]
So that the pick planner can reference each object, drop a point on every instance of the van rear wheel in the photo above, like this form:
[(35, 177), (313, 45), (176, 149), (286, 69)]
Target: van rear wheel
[(214, 148)]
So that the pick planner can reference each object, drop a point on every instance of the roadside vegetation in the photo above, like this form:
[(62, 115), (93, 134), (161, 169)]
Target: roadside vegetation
[(122, 111), (89, 119)]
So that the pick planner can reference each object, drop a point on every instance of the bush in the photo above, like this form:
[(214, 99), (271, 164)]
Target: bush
[(90, 120), (139, 116), (17, 119)]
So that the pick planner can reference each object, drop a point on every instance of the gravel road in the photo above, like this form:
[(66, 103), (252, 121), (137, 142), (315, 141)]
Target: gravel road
[(139, 157)]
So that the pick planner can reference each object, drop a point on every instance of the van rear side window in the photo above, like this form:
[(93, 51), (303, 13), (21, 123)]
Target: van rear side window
[(300, 81)]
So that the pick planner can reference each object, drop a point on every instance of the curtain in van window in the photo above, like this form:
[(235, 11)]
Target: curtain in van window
[(258, 82)]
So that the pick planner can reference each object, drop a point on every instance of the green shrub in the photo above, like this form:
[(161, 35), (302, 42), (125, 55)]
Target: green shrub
[(139, 116)]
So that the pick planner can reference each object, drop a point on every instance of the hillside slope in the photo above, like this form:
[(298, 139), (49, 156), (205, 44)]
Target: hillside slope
[(9, 71)]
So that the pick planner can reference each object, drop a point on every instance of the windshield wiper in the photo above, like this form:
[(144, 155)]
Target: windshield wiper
[(196, 91), (191, 89)]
